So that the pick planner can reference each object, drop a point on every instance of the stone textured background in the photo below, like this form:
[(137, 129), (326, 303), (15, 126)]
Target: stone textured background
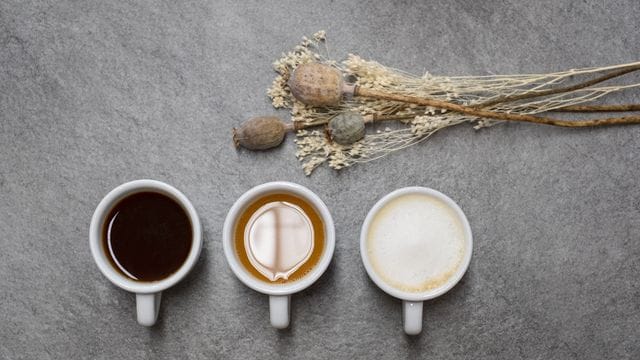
[(96, 93)]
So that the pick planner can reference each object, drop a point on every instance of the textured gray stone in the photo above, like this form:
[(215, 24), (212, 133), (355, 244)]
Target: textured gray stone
[(96, 93)]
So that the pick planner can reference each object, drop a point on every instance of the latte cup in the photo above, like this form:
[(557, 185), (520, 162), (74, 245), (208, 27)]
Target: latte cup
[(412, 301), (148, 294), (279, 293)]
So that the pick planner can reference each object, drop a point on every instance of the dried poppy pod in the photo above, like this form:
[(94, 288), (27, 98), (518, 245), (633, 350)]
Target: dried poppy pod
[(261, 133), (317, 84), (346, 128)]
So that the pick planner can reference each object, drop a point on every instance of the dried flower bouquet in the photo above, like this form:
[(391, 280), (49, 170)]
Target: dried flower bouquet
[(313, 88)]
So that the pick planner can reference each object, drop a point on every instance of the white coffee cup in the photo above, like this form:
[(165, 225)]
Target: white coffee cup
[(147, 293), (279, 294), (412, 301)]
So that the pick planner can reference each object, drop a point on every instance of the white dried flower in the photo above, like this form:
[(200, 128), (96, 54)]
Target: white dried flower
[(320, 35)]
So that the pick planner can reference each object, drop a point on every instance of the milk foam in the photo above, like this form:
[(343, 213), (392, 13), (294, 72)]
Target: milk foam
[(416, 242)]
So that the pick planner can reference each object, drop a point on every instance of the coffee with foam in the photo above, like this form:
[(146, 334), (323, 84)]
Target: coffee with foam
[(416, 242)]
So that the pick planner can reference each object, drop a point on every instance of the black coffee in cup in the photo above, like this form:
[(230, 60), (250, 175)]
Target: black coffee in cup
[(147, 236)]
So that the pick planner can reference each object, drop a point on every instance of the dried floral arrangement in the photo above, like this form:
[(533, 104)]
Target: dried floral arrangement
[(331, 103)]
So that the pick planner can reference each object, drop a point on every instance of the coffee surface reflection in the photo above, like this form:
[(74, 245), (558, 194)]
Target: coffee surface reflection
[(279, 238)]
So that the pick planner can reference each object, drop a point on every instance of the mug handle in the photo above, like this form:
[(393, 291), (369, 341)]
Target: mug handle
[(412, 317), (147, 306), (279, 310)]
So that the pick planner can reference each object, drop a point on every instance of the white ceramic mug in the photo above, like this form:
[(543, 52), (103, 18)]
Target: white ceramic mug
[(279, 294), (411, 301), (147, 293)]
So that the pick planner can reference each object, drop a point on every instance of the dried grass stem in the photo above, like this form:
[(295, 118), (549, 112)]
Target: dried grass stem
[(371, 93), (599, 108), (630, 68)]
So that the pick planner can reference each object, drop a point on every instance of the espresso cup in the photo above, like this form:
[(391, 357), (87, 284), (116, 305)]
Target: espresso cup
[(412, 300), (279, 293), (148, 294)]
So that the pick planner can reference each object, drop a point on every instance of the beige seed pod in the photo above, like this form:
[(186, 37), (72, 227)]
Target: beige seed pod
[(260, 133), (346, 128), (317, 84)]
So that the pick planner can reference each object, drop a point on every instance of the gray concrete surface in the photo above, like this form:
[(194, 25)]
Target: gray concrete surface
[(96, 93)]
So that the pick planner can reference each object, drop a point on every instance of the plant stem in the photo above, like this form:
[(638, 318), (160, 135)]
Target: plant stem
[(598, 108), (371, 93), (371, 118), (376, 117), (559, 90)]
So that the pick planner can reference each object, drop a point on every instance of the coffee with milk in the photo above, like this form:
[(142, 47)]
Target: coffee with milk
[(416, 243)]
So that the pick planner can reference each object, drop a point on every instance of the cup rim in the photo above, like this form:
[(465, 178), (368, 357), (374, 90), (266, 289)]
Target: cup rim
[(424, 295), (228, 235), (97, 223)]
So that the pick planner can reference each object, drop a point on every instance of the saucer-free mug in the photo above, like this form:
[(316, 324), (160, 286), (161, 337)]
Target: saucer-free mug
[(416, 245), (266, 272), (148, 293)]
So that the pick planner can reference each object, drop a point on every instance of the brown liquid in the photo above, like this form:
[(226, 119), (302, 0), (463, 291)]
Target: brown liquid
[(147, 236), (318, 236)]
